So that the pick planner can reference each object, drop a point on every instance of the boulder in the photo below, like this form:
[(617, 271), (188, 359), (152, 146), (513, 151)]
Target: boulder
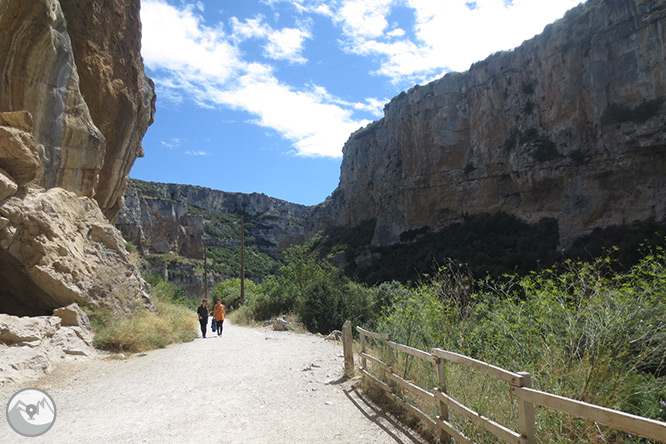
[(7, 186), (57, 249), (73, 341), (21, 330), (281, 324), (31, 346), (73, 316), (19, 157), (335, 335)]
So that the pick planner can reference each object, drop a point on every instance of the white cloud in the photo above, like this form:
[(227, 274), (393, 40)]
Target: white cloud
[(172, 143), (177, 41), (207, 65), (248, 29), (192, 60), (287, 44), (373, 106), (315, 126), (197, 153), (446, 35), (280, 44), (363, 19)]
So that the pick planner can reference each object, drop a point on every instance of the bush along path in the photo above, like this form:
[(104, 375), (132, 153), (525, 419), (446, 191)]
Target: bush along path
[(248, 386)]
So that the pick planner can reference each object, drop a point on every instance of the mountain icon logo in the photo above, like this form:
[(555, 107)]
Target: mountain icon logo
[(31, 412)]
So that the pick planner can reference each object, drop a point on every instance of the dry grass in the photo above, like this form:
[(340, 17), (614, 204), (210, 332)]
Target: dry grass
[(145, 330)]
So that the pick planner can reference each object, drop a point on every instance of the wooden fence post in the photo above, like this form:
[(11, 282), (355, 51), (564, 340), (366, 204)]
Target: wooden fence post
[(443, 408), (526, 412), (348, 348), (390, 361), (364, 362)]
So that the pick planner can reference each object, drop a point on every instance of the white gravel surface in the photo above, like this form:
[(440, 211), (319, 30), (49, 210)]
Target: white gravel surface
[(249, 386)]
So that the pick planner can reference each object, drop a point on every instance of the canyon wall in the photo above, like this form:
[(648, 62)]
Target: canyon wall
[(570, 125), (156, 218), (74, 105), (75, 66)]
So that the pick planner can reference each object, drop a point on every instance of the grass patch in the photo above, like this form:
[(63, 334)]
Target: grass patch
[(145, 330)]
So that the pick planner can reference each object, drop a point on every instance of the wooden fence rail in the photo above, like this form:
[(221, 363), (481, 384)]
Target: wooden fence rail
[(519, 387)]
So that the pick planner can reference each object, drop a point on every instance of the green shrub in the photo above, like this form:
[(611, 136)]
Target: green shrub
[(229, 292), (321, 296), (581, 329)]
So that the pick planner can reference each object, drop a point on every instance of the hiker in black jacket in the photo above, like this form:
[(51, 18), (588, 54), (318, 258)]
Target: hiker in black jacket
[(203, 316)]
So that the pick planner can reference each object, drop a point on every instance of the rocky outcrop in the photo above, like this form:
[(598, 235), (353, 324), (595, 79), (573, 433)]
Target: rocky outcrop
[(32, 346), (160, 226), (569, 125), (106, 40), (75, 66), (156, 218), (74, 105), (57, 248)]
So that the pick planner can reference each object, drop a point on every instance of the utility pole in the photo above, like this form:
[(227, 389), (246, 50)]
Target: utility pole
[(242, 264), (205, 269)]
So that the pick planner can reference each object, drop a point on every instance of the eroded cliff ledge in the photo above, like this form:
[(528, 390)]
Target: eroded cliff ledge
[(75, 66), (74, 105), (570, 125)]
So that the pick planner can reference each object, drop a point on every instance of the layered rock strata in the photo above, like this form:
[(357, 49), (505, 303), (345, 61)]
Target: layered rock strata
[(74, 105), (56, 248), (158, 221), (75, 66), (160, 225), (569, 125)]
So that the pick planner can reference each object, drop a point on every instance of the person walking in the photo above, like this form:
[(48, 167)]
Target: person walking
[(202, 311), (220, 313)]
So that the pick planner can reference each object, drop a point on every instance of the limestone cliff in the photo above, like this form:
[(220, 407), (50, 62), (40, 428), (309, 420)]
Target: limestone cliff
[(75, 66), (569, 125), (157, 219), (74, 105)]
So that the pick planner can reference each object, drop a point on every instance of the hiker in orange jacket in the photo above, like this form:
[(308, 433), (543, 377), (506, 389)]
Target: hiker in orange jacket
[(219, 313)]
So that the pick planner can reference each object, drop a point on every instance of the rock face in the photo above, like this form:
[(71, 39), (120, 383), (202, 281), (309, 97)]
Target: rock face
[(160, 225), (106, 39), (569, 125), (75, 66), (31, 346), (57, 248), (74, 105), (157, 220)]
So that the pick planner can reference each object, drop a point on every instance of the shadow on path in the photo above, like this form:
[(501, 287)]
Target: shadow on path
[(379, 417)]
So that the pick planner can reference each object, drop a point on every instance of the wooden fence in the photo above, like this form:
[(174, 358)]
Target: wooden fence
[(519, 387)]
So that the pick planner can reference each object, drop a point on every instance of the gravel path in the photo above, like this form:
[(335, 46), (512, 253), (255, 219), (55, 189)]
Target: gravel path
[(249, 386)]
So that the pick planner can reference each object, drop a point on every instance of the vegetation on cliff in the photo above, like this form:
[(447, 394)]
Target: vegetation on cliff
[(489, 244)]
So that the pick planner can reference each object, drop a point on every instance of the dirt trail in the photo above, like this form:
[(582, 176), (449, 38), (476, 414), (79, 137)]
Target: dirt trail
[(250, 386)]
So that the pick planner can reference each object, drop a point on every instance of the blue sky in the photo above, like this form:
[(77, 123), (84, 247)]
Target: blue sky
[(261, 95)]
